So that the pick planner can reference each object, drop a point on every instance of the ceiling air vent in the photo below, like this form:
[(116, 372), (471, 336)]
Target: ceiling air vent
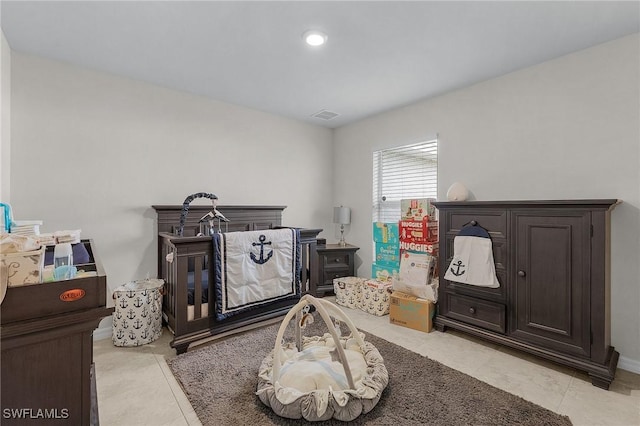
[(325, 115)]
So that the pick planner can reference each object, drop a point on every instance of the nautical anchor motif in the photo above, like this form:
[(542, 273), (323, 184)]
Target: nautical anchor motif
[(261, 260), (137, 319), (458, 265)]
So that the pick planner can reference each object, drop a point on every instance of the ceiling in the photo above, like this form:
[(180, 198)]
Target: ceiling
[(379, 55)]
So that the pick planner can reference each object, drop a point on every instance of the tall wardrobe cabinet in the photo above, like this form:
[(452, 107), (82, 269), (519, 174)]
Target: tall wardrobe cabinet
[(552, 262)]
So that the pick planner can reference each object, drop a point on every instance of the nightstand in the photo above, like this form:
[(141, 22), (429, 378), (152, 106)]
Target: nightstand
[(334, 262)]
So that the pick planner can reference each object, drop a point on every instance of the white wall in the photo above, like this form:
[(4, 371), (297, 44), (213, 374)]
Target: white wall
[(5, 120), (565, 129), (94, 151)]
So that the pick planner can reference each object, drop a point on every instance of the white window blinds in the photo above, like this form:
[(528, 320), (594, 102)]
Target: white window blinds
[(409, 171)]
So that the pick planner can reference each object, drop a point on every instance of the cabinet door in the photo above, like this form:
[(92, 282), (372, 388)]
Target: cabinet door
[(551, 280)]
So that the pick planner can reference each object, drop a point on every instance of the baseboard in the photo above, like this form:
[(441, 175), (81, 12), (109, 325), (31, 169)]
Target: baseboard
[(629, 364), (104, 330)]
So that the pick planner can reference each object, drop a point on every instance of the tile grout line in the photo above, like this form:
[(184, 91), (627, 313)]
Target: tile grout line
[(167, 379)]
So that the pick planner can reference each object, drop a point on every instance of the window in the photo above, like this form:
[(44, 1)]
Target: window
[(409, 171)]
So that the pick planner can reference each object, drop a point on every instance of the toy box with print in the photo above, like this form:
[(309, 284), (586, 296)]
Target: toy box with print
[(387, 254), (386, 233), (375, 297), (418, 231), (418, 209), (348, 291)]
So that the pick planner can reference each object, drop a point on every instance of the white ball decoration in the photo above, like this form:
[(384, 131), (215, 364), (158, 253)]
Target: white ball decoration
[(457, 192)]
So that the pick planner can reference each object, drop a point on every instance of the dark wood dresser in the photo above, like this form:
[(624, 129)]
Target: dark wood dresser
[(334, 261), (552, 262), (47, 349)]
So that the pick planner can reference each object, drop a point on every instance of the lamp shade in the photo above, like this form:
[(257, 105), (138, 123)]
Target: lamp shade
[(342, 215)]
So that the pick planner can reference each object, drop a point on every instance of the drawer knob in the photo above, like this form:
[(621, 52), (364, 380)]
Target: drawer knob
[(472, 310), (522, 273), (336, 260)]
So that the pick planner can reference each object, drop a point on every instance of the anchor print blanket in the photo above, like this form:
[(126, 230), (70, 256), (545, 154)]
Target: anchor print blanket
[(472, 261), (253, 268)]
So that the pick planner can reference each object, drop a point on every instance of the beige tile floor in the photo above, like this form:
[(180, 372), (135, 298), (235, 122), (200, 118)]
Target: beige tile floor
[(136, 387)]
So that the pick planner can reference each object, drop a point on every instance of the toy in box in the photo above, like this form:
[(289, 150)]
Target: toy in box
[(375, 297), (418, 209)]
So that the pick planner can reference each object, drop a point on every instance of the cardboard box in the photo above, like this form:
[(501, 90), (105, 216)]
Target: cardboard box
[(433, 248), (387, 254), (381, 272), (418, 231), (418, 209), (386, 233), (348, 291), (409, 311), (417, 268), (375, 297), (424, 291)]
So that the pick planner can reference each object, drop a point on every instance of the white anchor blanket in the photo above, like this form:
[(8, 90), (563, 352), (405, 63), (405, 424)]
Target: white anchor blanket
[(253, 268), (472, 261)]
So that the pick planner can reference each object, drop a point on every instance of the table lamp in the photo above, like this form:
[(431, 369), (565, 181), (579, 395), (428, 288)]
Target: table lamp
[(342, 215)]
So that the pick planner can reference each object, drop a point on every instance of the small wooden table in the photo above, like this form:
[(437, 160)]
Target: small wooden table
[(334, 261)]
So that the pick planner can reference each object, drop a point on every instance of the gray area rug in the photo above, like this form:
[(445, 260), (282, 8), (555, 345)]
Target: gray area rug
[(220, 381)]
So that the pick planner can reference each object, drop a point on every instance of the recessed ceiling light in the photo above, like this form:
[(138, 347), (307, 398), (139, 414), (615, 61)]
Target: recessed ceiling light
[(314, 38)]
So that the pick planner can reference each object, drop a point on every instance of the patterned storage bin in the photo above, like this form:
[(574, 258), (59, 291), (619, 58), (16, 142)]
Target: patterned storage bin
[(22, 268), (137, 319), (348, 291), (375, 297)]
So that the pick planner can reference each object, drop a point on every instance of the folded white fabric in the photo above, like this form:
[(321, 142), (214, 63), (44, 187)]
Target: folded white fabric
[(472, 261), (10, 243)]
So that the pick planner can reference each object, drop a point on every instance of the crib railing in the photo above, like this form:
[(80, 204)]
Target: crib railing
[(181, 258)]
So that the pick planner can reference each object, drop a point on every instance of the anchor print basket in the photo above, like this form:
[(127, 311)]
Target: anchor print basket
[(375, 297), (137, 318), (348, 291)]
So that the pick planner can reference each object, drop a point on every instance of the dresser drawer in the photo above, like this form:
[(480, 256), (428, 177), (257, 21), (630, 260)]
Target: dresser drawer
[(482, 313), (330, 274), (495, 222), (336, 260)]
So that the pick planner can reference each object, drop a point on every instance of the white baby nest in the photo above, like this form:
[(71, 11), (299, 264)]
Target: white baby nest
[(315, 379)]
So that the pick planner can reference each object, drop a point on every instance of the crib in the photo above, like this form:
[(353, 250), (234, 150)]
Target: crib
[(185, 263)]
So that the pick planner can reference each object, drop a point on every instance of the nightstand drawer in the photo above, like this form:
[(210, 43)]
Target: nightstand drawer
[(482, 313), (336, 260), (330, 274)]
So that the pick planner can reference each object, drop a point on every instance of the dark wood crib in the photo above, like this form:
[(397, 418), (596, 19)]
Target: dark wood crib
[(190, 313)]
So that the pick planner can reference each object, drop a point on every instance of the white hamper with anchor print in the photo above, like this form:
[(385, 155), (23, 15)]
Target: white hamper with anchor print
[(137, 318)]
